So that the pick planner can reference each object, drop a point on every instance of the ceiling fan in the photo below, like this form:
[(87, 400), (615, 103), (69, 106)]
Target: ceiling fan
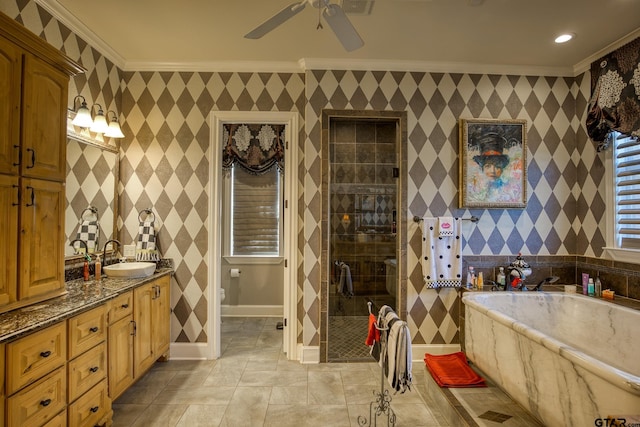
[(333, 14)]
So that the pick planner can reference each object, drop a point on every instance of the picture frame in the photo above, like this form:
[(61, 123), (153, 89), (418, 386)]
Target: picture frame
[(493, 163)]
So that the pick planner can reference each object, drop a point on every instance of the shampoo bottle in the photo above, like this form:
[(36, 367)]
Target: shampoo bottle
[(598, 286), (480, 281), (471, 278), (591, 287)]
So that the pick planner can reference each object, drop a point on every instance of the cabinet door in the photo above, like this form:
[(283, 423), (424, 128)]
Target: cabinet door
[(161, 316), (44, 124), (120, 356), (143, 348), (10, 83), (41, 251), (9, 204)]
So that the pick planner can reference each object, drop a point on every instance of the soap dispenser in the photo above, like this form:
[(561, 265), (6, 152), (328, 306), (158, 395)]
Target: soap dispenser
[(98, 268), (85, 271)]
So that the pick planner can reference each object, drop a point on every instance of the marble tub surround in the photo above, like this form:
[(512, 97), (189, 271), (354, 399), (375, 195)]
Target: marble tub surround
[(80, 296), (524, 340)]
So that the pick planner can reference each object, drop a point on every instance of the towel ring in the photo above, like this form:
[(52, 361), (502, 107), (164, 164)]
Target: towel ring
[(148, 212), (91, 209)]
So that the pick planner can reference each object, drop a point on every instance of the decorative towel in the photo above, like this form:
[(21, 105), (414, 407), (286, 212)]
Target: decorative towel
[(88, 230), (146, 245), (445, 226), (441, 256), (345, 286), (452, 370)]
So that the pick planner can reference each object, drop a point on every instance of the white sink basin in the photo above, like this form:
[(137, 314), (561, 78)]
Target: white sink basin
[(130, 270)]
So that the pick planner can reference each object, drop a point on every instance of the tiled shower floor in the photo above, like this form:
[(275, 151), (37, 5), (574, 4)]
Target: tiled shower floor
[(346, 339)]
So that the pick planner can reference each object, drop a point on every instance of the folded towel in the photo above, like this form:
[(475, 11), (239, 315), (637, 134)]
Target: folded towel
[(445, 226), (441, 256), (452, 370)]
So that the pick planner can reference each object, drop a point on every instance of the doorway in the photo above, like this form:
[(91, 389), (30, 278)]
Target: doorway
[(364, 187), (216, 233)]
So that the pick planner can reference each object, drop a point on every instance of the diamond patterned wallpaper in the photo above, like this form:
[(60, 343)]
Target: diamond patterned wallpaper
[(164, 163)]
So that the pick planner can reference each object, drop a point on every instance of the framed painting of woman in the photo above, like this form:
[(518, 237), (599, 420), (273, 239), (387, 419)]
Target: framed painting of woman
[(493, 163)]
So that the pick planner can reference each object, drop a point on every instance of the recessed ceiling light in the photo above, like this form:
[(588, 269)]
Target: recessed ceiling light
[(563, 38)]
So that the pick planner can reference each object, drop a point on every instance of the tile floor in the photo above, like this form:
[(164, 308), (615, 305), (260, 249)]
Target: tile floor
[(253, 384)]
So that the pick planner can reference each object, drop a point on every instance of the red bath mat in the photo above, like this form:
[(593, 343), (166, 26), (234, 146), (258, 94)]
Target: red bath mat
[(452, 370)]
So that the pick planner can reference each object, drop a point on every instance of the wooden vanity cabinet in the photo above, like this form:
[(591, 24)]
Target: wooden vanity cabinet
[(151, 317), (34, 79), (121, 338)]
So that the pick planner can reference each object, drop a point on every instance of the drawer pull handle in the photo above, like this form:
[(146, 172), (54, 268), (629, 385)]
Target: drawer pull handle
[(94, 369), (94, 329), (45, 354), (124, 306), (33, 158), (45, 402), (94, 409)]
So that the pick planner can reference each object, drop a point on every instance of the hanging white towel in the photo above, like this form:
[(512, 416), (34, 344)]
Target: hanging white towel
[(445, 226), (441, 256)]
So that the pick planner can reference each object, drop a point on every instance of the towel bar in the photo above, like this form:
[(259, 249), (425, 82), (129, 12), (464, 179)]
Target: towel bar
[(473, 218)]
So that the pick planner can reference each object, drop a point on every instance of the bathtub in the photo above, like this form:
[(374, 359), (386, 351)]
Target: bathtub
[(567, 358)]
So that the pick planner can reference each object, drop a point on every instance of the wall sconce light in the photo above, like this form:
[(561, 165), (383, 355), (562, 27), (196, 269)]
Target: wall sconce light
[(346, 220), (100, 124), (83, 115), (114, 130)]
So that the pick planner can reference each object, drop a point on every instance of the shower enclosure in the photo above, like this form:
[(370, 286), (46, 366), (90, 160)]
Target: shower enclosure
[(364, 220)]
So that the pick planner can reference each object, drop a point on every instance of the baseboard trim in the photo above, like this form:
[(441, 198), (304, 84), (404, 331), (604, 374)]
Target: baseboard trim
[(418, 350), (309, 354), (188, 351), (252, 311)]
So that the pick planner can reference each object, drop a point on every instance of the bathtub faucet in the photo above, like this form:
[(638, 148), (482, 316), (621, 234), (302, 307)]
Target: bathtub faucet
[(546, 281)]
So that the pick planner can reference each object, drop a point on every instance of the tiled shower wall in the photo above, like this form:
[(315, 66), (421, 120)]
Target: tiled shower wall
[(164, 163)]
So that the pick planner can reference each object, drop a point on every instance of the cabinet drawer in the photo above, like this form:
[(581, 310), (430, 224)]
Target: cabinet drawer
[(35, 355), (40, 402), (91, 407), (120, 307), (59, 420), (87, 370), (86, 330)]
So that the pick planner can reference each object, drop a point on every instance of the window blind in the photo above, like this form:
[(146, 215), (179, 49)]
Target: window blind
[(255, 213), (627, 176)]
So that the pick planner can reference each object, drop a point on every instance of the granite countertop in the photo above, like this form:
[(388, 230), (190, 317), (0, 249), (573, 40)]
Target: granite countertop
[(81, 296)]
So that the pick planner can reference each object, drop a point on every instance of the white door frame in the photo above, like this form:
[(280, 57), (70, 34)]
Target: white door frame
[(217, 119)]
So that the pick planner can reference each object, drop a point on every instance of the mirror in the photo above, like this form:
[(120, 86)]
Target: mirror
[(92, 179)]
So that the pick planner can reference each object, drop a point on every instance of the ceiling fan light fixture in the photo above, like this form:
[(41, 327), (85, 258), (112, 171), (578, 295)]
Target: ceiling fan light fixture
[(563, 38)]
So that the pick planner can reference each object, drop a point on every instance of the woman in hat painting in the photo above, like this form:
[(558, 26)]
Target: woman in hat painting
[(498, 169)]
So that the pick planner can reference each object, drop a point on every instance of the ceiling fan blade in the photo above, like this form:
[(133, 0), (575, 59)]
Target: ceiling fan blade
[(342, 27), (276, 20)]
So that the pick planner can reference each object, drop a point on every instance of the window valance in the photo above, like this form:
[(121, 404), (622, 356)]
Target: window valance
[(615, 95), (254, 147)]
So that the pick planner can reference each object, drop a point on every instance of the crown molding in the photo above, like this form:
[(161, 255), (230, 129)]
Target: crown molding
[(81, 30), (585, 64), (432, 67), (216, 66)]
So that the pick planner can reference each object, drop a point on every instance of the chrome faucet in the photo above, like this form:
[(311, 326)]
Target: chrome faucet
[(546, 281), (104, 250), (83, 243)]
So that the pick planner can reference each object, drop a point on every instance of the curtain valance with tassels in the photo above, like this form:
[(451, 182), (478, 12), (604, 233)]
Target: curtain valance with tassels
[(615, 95), (254, 147)]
